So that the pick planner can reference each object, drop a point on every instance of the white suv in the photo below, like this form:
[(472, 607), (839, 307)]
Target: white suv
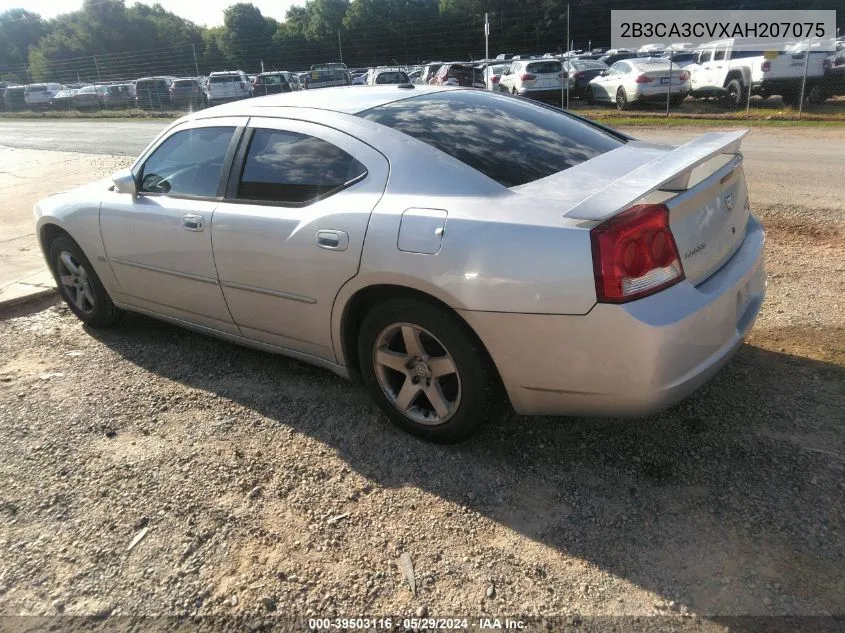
[(535, 78), (227, 86)]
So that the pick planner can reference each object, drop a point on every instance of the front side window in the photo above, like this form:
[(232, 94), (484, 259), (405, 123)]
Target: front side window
[(188, 163), (512, 141), (294, 169)]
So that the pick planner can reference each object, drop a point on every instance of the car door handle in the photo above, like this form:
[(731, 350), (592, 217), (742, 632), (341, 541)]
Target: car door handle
[(332, 240), (193, 222)]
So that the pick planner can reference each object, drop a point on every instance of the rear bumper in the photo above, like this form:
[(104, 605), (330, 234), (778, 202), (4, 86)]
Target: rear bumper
[(658, 93), (633, 359), (553, 95)]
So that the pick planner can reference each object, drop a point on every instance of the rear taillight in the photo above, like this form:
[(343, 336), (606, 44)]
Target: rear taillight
[(634, 254), (644, 79), (243, 85), (528, 77), (766, 66), (683, 76), (578, 74), (494, 79)]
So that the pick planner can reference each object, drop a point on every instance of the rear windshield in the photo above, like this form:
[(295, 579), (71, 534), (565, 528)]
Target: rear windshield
[(512, 141), (585, 65), (151, 83), (224, 79), (273, 79), (544, 67), (185, 83), (391, 78), (36, 88)]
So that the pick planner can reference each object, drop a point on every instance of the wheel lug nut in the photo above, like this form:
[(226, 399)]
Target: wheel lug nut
[(415, 380)]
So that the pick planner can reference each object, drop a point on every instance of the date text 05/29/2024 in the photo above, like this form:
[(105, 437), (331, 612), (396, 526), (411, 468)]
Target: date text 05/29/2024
[(386, 623)]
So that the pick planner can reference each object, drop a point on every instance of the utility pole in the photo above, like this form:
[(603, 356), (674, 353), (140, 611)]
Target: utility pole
[(196, 66), (570, 48), (339, 46), (486, 36), (97, 67)]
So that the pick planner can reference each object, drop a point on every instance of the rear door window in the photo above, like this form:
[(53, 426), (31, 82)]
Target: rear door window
[(512, 141), (293, 169)]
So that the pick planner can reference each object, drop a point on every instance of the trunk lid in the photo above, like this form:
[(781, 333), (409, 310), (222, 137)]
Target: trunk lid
[(702, 183)]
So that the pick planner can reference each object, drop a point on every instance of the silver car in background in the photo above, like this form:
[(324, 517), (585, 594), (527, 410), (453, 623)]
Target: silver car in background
[(439, 242), (640, 80)]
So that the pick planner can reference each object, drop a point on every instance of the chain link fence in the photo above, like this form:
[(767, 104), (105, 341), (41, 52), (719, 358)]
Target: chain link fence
[(713, 82)]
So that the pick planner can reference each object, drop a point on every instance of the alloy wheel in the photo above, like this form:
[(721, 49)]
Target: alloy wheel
[(75, 282), (417, 373)]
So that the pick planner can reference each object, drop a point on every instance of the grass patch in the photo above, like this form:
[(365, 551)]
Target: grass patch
[(102, 115)]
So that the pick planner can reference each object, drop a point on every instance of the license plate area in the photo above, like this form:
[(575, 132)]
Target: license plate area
[(665, 80)]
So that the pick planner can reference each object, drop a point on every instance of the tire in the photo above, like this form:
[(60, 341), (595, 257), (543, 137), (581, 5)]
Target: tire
[(514, 92), (816, 94), (792, 99), (591, 96), (734, 94), (402, 388), (676, 101), (621, 99), (81, 289)]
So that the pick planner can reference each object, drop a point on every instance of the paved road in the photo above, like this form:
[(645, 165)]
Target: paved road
[(776, 158), (126, 138)]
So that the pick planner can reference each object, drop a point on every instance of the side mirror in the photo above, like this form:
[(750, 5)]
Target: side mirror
[(124, 182)]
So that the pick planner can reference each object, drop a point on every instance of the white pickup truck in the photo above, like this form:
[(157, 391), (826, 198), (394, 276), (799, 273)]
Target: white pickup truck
[(723, 69)]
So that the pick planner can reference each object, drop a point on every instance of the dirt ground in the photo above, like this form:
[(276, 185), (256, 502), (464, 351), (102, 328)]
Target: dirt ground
[(261, 487)]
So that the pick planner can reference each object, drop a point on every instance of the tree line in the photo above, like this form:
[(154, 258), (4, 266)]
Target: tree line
[(106, 39)]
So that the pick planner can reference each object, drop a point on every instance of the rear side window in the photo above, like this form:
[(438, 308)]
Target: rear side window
[(223, 79), (188, 163), (719, 56), (512, 141), (295, 169)]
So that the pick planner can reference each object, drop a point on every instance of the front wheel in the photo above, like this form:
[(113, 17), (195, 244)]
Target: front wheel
[(424, 369), (79, 285), (734, 94), (621, 99)]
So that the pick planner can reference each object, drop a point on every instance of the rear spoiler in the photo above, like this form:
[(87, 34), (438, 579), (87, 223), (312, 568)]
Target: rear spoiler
[(668, 172)]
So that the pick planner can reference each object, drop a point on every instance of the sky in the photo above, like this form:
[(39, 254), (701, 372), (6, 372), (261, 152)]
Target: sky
[(204, 12)]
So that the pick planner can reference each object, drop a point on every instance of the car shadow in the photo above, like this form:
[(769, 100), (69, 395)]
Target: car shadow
[(730, 503)]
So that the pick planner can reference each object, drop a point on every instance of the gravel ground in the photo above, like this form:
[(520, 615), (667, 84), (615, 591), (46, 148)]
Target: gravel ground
[(147, 470)]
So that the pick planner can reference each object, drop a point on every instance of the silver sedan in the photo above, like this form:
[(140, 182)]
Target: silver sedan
[(437, 242)]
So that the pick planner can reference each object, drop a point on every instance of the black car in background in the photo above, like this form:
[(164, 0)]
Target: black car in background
[(581, 72), (14, 99), (274, 82), (153, 93)]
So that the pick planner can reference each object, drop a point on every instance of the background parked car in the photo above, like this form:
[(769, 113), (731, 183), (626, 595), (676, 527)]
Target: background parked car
[(616, 55), (37, 96), (639, 80), (153, 93), (537, 79), (115, 96), (227, 86), (492, 74), (329, 75), (274, 82), (187, 93), (63, 99), (14, 99), (429, 71), (388, 75), (458, 74), (86, 98), (580, 73)]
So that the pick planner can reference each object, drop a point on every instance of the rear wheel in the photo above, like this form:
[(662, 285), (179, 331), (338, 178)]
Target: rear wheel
[(734, 94), (621, 99), (678, 100), (79, 285), (424, 369), (591, 97)]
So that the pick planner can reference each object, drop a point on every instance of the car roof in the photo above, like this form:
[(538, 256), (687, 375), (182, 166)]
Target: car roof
[(344, 99)]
